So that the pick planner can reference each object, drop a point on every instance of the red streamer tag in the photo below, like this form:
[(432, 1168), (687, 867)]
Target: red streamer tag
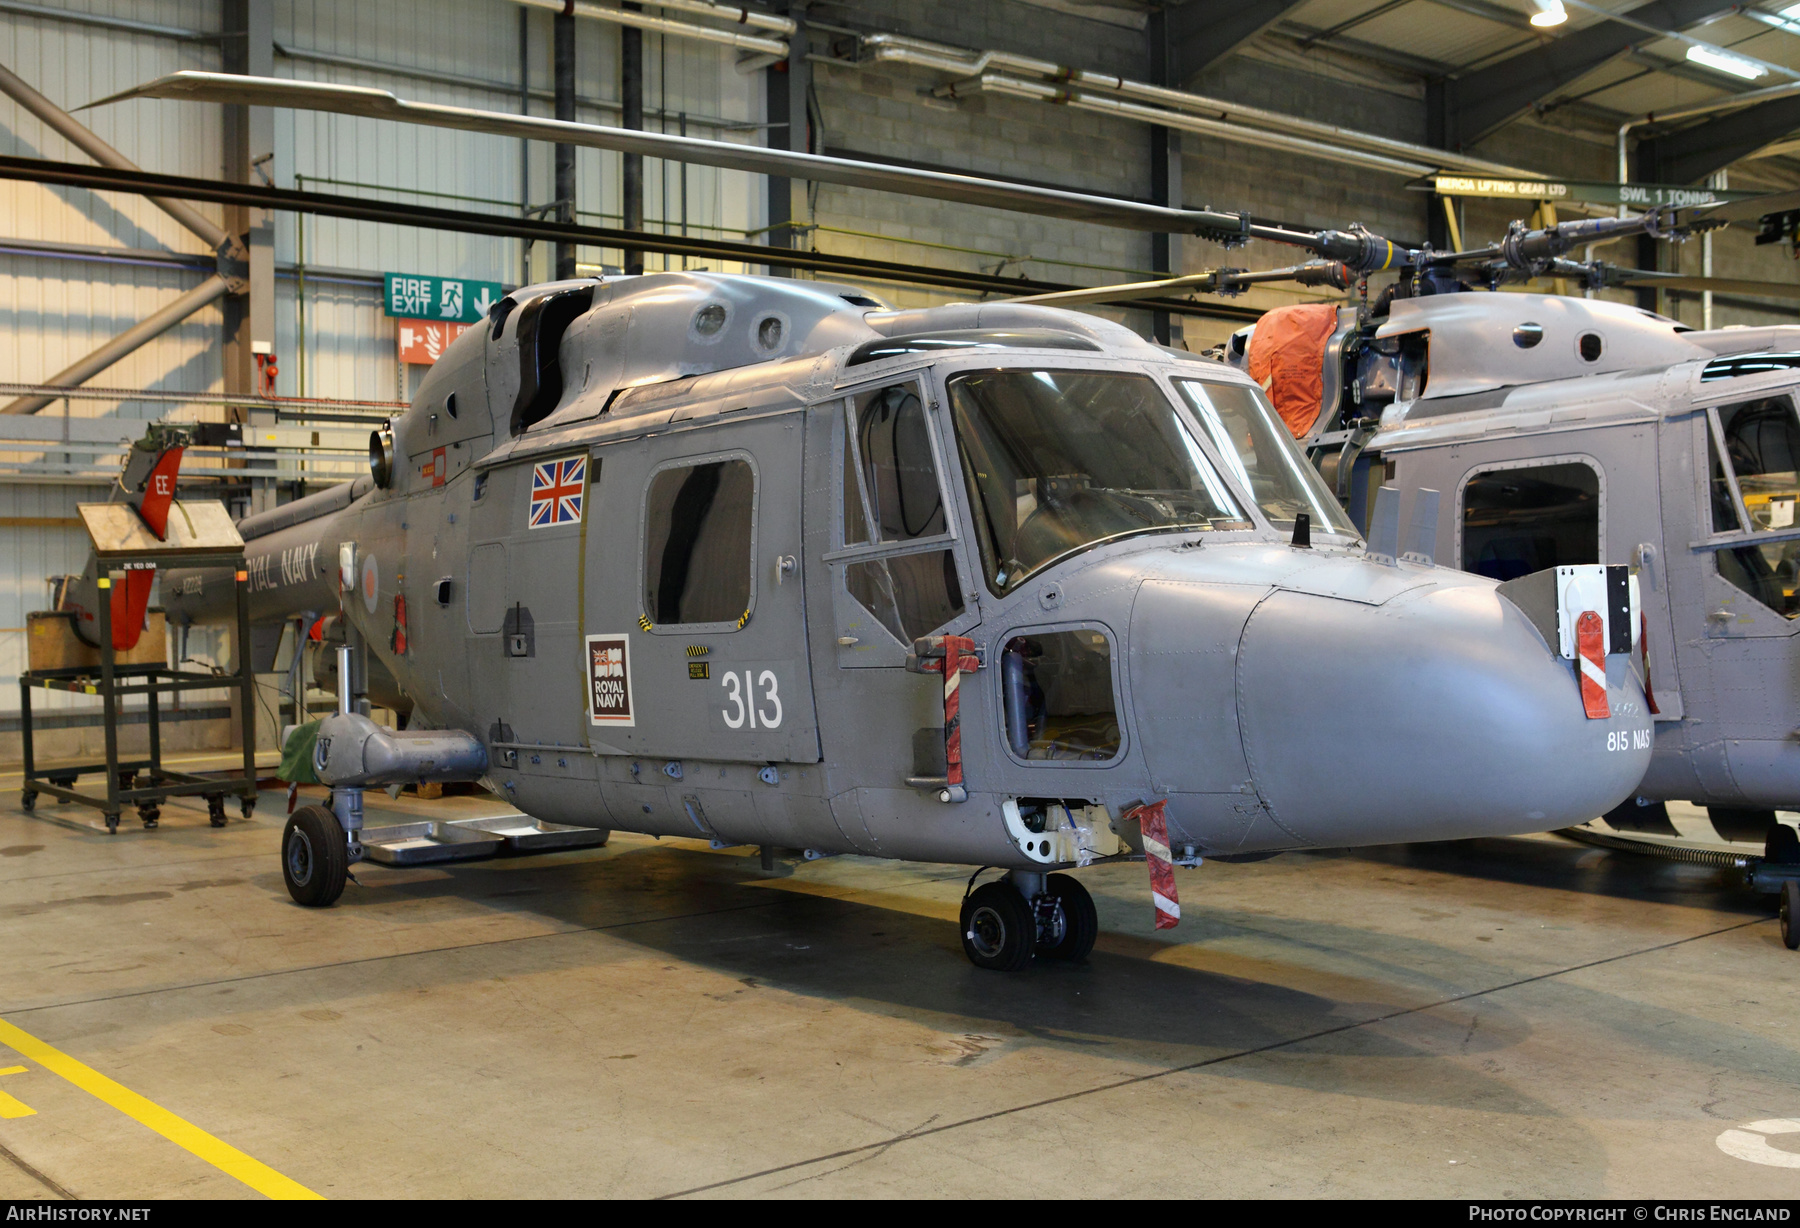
[(1590, 647), (1153, 823)]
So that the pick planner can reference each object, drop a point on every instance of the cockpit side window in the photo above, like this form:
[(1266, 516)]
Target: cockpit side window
[(900, 479), (1754, 481), (892, 496)]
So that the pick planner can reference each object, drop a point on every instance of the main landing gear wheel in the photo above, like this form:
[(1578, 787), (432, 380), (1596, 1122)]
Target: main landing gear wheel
[(315, 858), (1790, 914), (1073, 923), (998, 929)]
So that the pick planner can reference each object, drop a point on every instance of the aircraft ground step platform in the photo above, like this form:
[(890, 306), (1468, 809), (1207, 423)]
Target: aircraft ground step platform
[(413, 844)]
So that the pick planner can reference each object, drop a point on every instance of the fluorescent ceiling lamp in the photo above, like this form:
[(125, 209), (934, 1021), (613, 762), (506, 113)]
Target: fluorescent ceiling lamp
[(1721, 61), (1552, 13)]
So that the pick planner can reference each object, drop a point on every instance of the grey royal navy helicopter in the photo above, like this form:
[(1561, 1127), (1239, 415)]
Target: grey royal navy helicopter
[(764, 562), (1568, 430), (675, 553)]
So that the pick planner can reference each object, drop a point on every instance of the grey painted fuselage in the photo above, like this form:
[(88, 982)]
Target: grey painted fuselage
[(1277, 696), (1724, 664)]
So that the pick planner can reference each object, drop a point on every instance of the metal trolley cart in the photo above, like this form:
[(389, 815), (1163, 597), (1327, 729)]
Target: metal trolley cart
[(199, 535)]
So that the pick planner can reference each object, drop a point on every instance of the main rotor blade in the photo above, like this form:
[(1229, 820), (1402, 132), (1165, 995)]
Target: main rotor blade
[(963, 189), (1747, 210), (1213, 281), (1720, 285), (1117, 293)]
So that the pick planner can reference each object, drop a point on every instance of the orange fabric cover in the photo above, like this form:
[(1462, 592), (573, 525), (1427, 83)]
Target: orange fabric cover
[(1287, 357)]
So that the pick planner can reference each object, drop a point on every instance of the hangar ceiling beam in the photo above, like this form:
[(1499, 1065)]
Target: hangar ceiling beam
[(150, 327), (1203, 32), (1693, 153), (207, 231), (1492, 97), (80, 136)]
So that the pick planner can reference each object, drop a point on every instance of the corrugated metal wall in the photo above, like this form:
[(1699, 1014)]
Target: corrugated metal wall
[(55, 308)]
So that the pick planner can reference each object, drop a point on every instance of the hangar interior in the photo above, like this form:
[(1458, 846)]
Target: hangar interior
[(1510, 1017)]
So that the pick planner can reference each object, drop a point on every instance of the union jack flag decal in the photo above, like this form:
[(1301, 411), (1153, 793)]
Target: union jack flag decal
[(558, 489)]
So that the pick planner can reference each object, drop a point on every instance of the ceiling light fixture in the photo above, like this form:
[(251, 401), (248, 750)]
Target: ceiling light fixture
[(1721, 61), (1551, 13)]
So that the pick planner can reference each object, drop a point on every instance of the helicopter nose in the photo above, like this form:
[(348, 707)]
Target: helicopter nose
[(1440, 714)]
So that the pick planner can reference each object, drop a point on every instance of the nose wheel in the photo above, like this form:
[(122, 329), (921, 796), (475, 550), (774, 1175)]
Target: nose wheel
[(1790, 914), (315, 857), (1002, 930)]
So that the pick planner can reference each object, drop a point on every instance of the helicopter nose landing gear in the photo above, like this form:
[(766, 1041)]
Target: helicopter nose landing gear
[(315, 857), (1024, 914), (1790, 914)]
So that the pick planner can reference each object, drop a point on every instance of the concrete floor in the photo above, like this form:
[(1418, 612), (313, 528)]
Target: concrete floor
[(1510, 1018)]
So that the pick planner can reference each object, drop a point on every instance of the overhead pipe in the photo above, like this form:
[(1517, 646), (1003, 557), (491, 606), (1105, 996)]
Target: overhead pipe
[(664, 25), (206, 293), (756, 19), (78, 135), (901, 49)]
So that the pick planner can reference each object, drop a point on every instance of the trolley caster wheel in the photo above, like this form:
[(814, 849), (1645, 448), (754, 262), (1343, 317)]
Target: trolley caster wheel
[(1790, 914), (998, 928), (112, 824), (28, 799), (315, 857), (1073, 921), (215, 810), (151, 816), (246, 806), (127, 780)]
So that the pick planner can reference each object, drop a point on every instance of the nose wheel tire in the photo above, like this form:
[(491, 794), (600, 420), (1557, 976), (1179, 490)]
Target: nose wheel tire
[(1076, 923), (999, 932), (1790, 914), (315, 858)]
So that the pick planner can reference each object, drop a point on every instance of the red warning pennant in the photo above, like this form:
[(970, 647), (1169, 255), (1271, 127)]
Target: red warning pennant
[(1590, 655), (1154, 825)]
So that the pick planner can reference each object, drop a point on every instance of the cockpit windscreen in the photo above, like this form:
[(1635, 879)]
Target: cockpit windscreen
[(1058, 460), (1261, 455)]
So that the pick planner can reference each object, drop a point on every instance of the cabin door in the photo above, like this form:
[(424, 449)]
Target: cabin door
[(695, 635)]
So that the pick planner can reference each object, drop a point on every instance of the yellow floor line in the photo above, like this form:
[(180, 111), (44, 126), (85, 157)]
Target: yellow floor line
[(10, 1106), (222, 1156)]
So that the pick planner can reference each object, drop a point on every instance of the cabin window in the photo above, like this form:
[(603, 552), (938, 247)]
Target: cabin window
[(698, 541), (1058, 692), (1517, 521), (1753, 453), (892, 496)]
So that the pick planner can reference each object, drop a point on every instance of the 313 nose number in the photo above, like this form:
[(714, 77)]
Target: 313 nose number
[(752, 699)]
